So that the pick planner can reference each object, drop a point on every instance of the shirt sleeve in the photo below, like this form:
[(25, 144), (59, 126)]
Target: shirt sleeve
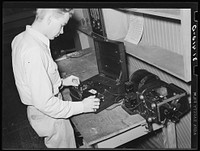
[(41, 88)]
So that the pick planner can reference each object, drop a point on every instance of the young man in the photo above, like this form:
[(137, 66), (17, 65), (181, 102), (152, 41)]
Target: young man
[(38, 80)]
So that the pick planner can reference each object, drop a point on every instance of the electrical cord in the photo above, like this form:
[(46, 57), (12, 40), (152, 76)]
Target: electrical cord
[(135, 106), (114, 94)]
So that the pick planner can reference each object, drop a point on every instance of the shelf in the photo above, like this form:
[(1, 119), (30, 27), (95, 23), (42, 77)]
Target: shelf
[(163, 59), (167, 13)]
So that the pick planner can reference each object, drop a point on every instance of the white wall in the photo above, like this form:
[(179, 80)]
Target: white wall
[(116, 23)]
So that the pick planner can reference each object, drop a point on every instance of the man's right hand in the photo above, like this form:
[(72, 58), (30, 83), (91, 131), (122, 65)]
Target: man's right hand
[(91, 104)]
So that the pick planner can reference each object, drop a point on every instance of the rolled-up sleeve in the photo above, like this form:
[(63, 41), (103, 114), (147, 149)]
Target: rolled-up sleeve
[(41, 88)]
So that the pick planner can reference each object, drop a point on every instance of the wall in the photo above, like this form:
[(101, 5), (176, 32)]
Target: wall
[(162, 32), (14, 22)]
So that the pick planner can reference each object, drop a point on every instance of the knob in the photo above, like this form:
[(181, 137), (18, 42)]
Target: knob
[(153, 105), (150, 119), (141, 97)]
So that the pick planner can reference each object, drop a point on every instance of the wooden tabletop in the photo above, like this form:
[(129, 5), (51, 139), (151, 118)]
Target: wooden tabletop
[(105, 124)]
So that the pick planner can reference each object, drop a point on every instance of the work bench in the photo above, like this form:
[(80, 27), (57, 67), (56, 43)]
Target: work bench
[(113, 126)]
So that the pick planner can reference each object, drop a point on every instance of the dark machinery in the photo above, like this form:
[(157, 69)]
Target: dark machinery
[(154, 99)]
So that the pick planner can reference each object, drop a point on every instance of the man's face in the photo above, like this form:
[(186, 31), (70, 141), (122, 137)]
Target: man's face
[(56, 26)]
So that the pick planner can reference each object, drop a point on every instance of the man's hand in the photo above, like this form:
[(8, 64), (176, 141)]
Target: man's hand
[(91, 104), (71, 81)]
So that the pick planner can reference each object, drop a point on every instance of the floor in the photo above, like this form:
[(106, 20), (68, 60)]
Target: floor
[(16, 130)]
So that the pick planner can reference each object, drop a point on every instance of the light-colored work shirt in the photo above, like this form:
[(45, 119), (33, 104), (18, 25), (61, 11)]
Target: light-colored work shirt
[(37, 77)]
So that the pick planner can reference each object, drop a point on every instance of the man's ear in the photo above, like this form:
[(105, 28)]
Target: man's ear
[(49, 20)]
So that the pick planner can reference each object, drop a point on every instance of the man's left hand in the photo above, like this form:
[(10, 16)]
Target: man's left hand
[(71, 81)]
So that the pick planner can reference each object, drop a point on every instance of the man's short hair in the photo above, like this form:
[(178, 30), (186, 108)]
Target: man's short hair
[(56, 12)]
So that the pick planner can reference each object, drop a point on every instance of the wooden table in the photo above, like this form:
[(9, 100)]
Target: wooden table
[(110, 128), (113, 126)]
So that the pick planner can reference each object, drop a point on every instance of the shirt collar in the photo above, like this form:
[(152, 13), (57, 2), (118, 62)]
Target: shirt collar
[(38, 35)]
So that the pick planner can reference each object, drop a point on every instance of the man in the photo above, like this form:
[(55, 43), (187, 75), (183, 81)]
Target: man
[(38, 80)]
